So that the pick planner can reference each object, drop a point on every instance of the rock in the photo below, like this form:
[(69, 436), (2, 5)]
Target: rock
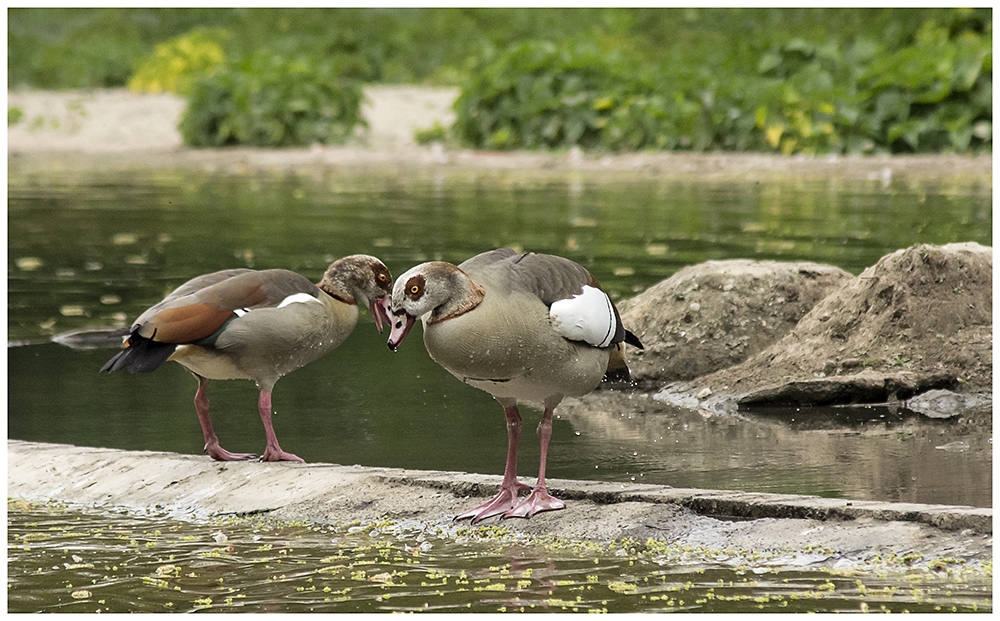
[(919, 319), (940, 403), (865, 387), (716, 314)]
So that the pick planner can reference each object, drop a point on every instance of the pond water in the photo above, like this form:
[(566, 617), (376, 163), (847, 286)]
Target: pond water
[(64, 559), (93, 250)]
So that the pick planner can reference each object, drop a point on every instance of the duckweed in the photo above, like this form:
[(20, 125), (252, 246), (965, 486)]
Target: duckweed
[(274, 566)]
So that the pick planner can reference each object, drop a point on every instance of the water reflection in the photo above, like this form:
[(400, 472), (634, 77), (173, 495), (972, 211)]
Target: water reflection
[(865, 453), (94, 250)]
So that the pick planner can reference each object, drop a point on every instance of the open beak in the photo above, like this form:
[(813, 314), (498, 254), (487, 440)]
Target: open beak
[(400, 326), (380, 310)]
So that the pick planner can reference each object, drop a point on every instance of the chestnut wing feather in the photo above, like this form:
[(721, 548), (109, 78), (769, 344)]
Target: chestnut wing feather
[(194, 312)]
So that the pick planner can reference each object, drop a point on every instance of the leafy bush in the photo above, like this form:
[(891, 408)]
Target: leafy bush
[(14, 115), (931, 93), (265, 100), (434, 133), (82, 48), (175, 64), (536, 94), (934, 95), (790, 80)]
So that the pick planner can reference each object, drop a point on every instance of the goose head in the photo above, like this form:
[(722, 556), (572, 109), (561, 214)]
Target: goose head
[(363, 279)]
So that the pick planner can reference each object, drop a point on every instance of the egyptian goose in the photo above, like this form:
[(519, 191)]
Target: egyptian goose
[(523, 327), (257, 325)]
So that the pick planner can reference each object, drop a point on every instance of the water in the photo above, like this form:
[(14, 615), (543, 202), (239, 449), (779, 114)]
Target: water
[(94, 250), (70, 559), (90, 251)]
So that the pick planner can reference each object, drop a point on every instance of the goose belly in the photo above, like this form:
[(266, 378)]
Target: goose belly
[(543, 381), (208, 363)]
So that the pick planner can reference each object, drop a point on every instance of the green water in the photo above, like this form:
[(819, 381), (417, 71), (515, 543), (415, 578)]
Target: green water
[(76, 560)]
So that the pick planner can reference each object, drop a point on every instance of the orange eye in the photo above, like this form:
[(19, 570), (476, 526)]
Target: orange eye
[(381, 277), (414, 289)]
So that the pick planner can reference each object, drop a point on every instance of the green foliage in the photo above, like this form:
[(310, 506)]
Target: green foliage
[(175, 64), (934, 95), (434, 133), (83, 48), (537, 94), (931, 93), (267, 100), (790, 80), (14, 115)]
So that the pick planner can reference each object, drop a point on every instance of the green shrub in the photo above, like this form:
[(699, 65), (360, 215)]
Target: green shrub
[(266, 100), (175, 64), (14, 115), (934, 95), (434, 133), (931, 92), (789, 80), (75, 48), (540, 95)]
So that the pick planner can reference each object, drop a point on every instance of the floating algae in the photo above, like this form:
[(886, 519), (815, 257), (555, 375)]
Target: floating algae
[(115, 562)]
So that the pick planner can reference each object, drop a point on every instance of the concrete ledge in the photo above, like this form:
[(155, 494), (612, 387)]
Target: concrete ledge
[(707, 521), (719, 503)]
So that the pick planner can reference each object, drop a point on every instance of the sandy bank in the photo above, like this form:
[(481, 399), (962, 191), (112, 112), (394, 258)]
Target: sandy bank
[(119, 129)]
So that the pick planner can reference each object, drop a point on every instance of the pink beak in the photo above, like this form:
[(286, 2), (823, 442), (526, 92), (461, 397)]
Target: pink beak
[(400, 323), (380, 309)]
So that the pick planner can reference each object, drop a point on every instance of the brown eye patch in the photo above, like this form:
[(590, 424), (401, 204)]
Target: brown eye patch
[(382, 277), (415, 287)]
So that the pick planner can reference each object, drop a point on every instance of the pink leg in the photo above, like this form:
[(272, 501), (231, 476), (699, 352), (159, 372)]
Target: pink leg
[(507, 496), (272, 452), (212, 447), (539, 500)]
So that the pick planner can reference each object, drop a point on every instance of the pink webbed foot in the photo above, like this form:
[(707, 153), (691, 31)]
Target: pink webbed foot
[(502, 502), (274, 453), (538, 501), (218, 453)]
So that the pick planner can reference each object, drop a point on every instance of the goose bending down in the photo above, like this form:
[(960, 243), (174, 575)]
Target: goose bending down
[(256, 325), (523, 327)]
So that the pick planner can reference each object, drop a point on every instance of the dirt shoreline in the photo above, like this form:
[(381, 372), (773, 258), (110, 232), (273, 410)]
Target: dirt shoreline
[(118, 129)]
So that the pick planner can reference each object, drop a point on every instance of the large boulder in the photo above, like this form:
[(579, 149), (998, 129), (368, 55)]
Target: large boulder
[(919, 319), (717, 314)]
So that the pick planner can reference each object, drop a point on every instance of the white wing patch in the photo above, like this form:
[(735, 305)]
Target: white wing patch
[(292, 299), (588, 317), (297, 297)]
